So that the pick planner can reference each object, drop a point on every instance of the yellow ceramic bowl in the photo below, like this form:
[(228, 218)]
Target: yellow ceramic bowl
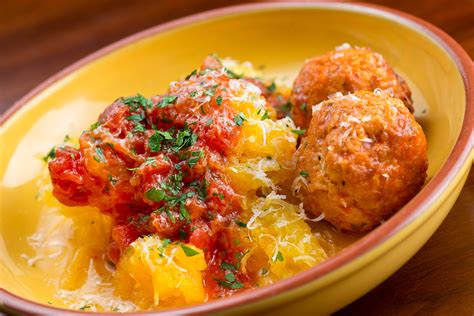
[(280, 36)]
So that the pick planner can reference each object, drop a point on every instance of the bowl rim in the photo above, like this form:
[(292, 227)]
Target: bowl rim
[(457, 158)]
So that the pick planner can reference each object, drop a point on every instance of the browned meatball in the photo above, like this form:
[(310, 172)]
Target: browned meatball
[(343, 70), (364, 157)]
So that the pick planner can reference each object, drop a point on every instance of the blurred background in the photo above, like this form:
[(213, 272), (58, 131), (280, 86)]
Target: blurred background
[(39, 38)]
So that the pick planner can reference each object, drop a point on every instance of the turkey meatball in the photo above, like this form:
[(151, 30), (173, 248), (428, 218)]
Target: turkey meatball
[(363, 158), (344, 70)]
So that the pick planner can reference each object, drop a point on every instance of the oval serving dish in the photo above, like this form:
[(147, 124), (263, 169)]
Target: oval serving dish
[(280, 36)]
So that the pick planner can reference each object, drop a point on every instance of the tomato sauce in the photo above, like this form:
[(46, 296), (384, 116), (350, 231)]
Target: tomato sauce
[(156, 166)]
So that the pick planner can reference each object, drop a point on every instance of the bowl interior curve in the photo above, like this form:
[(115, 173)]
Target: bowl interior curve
[(278, 39)]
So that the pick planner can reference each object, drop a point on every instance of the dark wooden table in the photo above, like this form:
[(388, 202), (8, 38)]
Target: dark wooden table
[(39, 38)]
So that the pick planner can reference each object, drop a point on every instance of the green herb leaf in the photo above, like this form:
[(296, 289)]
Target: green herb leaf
[(167, 100), (191, 74), (303, 107), (265, 115), (94, 126), (271, 87), (154, 142), (227, 266), (189, 252), (239, 119), (138, 99), (279, 256), (239, 223), (299, 132), (229, 276), (50, 155), (165, 243), (170, 215), (287, 106), (100, 154), (195, 158), (219, 100), (112, 180), (209, 92), (156, 195), (232, 74), (139, 128), (165, 135), (184, 212), (184, 138), (136, 117), (304, 173)]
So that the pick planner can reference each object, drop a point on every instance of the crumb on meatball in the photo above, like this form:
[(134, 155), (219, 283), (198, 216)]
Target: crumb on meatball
[(363, 158), (345, 69)]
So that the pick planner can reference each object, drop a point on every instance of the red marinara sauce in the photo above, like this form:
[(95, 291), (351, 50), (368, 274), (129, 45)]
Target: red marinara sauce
[(155, 165)]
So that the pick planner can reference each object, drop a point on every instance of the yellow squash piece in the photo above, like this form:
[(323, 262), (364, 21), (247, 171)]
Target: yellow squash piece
[(154, 273)]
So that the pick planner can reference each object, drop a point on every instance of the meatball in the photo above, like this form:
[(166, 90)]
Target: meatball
[(344, 70), (363, 158)]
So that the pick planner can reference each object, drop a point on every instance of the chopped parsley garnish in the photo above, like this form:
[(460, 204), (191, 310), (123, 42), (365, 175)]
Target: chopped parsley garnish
[(112, 180), (155, 140), (219, 195), (279, 256), (136, 101), (195, 156), (209, 122), (299, 132), (265, 115), (303, 107), (230, 281), (183, 213), (165, 135), (136, 117), (201, 188), (209, 92), (189, 252), (287, 106), (271, 87), (191, 74), (156, 195), (219, 100), (227, 266), (229, 276), (304, 173), (94, 126), (50, 155), (165, 243), (170, 215), (139, 128), (239, 223), (184, 138), (100, 155), (182, 234), (166, 100), (232, 74), (193, 93), (239, 119)]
